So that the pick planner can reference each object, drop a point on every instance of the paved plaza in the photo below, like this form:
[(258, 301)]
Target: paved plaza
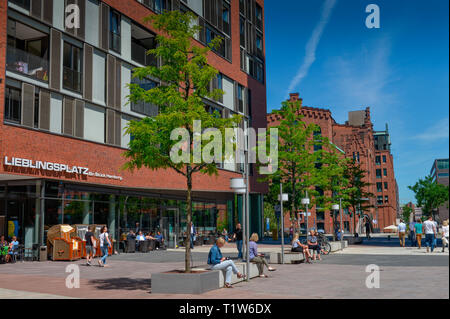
[(405, 273)]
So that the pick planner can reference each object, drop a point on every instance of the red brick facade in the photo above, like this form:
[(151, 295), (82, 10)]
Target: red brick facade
[(358, 141)]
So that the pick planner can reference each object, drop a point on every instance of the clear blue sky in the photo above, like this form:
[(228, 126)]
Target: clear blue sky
[(400, 70)]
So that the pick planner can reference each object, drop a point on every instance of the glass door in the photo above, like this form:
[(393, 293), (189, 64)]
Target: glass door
[(170, 226)]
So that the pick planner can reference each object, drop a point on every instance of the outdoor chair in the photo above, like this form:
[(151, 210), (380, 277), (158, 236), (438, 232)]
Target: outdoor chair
[(143, 246), (131, 246)]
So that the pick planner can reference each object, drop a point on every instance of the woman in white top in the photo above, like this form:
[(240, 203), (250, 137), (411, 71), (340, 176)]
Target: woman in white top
[(105, 243), (298, 247), (444, 235)]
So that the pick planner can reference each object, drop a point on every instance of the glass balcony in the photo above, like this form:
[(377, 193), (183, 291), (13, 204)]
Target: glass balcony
[(139, 55), (26, 63)]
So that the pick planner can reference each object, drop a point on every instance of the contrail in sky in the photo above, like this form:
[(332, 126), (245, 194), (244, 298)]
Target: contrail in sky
[(311, 46)]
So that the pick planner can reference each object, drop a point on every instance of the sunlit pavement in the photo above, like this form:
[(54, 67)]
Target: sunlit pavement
[(340, 275)]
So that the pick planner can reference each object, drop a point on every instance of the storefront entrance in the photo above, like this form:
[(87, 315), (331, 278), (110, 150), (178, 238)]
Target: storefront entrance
[(170, 226)]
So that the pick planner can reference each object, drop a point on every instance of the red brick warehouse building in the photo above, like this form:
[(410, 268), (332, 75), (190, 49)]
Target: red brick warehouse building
[(356, 139), (64, 111)]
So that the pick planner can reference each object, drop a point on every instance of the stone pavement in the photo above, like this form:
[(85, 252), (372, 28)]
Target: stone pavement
[(404, 274)]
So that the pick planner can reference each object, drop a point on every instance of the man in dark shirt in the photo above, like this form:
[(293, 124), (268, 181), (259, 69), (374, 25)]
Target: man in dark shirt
[(238, 237), (159, 240), (90, 250)]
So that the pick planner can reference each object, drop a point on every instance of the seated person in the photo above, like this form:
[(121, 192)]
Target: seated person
[(298, 247), (313, 244), (140, 237), (318, 236), (131, 235), (256, 258), (4, 248), (159, 240), (225, 235), (13, 246), (218, 262)]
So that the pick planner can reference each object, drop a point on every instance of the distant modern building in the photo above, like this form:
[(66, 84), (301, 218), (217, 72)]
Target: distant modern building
[(440, 174)]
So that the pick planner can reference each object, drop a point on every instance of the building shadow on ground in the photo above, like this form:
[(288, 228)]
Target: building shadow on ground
[(143, 284)]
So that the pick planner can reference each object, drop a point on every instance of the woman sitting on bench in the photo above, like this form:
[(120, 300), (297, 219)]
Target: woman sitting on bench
[(256, 258), (298, 247)]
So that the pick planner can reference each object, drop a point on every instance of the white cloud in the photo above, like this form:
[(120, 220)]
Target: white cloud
[(436, 132), (313, 42)]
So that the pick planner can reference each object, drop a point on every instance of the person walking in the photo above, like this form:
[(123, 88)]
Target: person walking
[(89, 238), (418, 227), (412, 234), (430, 233), (105, 243), (444, 235), (193, 233), (218, 262), (437, 232), (402, 232), (256, 258), (368, 229), (238, 237)]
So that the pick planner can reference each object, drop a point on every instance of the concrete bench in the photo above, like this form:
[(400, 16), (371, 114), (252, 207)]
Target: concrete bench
[(289, 257), (336, 245), (234, 279)]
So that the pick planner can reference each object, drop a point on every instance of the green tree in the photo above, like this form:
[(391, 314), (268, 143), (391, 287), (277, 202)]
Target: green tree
[(358, 198), (185, 80), (406, 213), (430, 195), (307, 161)]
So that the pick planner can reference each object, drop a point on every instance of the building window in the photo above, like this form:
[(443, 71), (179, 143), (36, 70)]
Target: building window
[(157, 5), (241, 98), (259, 16), (114, 31), (384, 159), (356, 157), (36, 107), (385, 172), (226, 18), (443, 175), (141, 42), (72, 71), (25, 4), (386, 186), (242, 31), (317, 139), (386, 199), (142, 107), (378, 173), (380, 200), (379, 187), (259, 45), (378, 160), (27, 51), (13, 104), (443, 164)]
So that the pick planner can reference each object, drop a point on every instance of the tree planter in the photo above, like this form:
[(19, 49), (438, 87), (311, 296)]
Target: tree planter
[(181, 283)]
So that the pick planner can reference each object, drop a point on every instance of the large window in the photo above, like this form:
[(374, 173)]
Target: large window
[(142, 107), (226, 18), (114, 31), (379, 187), (157, 5), (378, 173), (259, 16), (378, 160), (72, 71), (241, 92), (442, 164), (12, 104), (27, 51), (242, 31)]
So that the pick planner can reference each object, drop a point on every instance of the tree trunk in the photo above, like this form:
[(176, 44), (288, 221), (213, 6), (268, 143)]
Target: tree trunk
[(187, 244)]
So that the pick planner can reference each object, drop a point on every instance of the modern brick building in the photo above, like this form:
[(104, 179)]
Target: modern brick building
[(64, 110), (357, 139), (440, 174)]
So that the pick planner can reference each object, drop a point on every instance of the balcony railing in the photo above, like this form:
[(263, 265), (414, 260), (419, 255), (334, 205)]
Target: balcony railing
[(26, 63), (139, 54), (72, 79)]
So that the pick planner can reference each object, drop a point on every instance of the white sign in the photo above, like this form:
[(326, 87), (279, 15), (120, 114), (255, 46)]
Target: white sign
[(56, 167)]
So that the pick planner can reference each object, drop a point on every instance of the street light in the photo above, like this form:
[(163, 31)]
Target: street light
[(306, 201), (282, 198)]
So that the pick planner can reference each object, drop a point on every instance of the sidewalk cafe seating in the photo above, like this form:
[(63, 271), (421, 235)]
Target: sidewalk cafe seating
[(3, 253), (63, 243)]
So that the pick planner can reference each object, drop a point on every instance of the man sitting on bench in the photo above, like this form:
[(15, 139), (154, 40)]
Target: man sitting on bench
[(298, 247)]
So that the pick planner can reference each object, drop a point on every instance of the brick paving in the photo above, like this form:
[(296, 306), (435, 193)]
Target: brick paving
[(337, 276)]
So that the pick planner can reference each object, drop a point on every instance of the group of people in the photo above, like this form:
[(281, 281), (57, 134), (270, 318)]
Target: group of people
[(427, 230), (91, 246), (8, 250), (141, 237), (312, 244)]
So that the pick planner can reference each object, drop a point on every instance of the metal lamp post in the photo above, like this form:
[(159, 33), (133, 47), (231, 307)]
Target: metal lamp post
[(306, 202), (335, 208), (240, 187), (282, 198)]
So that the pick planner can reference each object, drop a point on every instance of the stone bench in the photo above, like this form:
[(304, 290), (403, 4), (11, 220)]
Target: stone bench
[(289, 257), (336, 245), (234, 279)]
